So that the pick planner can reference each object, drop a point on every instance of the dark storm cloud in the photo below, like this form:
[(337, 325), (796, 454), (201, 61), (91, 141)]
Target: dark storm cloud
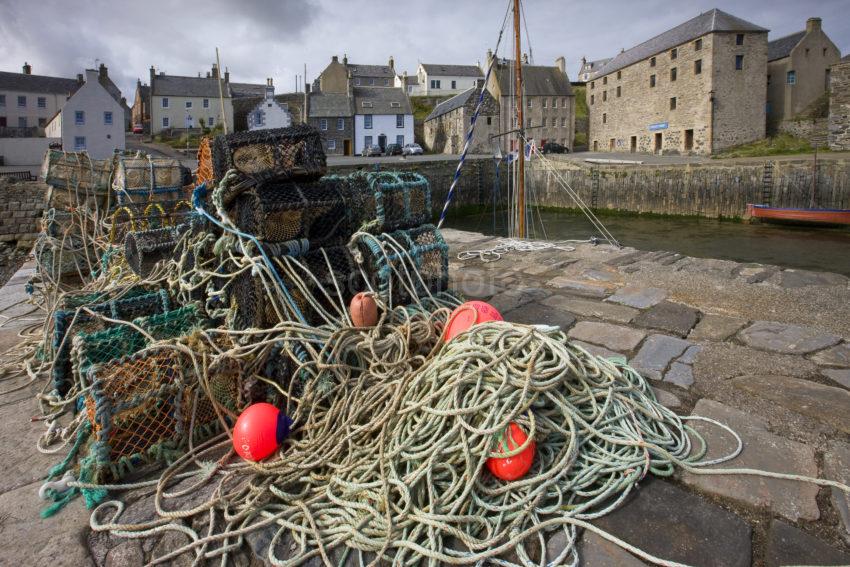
[(262, 38)]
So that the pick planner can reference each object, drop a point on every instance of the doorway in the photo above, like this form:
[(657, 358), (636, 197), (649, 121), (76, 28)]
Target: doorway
[(382, 142), (346, 147), (689, 140), (633, 144), (595, 146), (657, 147), (611, 144)]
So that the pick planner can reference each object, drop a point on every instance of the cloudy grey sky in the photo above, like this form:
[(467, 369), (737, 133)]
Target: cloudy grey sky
[(261, 38)]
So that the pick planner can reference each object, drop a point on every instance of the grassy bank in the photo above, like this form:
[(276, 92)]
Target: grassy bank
[(782, 144)]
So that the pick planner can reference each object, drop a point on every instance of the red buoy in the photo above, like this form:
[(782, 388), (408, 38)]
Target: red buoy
[(469, 314), (512, 468), (259, 431), (364, 310)]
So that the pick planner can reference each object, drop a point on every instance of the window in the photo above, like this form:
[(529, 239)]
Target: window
[(604, 80), (211, 121), (698, 67), (591, 98), (165, 122), (357, 82), (554, 103), (652, 80), (807, 52), (563, 122), (824, 51), (674, 53), (42, 102), (399, 140), (604, 118), (618, 92), (79, 143), (367, 141), (399, 120), (435, 84), (206, 103), (79, 117), (22, 102), (652, 62), (673, 103), (386, 82), (366, 104), (698, 45), (592, 84), (739, 62), (2, 121), (564, 102), (107, 118), (42, 122), (165, 102), (395, 105), (545, 103), (489, 120), (673, 72), (530, 103), (188, 104), (619, 75), (2, 100), (371, 82), (323, 124), (604, 96), (367, 121), (528, 123), (340, 123), (331, 144), (768, 78), (791, 78), (454, 84), (22, 121), (739, 39)]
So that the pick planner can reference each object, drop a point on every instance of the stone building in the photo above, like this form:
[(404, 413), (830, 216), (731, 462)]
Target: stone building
[(798, 67), (549, 111), (589, 68), (445, 128), (332, 114), (141, 110), (381, 116), (697, 88), (839, 106), (335, 77)]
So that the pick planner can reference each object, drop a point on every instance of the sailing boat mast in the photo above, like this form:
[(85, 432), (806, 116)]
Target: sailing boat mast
[(521, 125)]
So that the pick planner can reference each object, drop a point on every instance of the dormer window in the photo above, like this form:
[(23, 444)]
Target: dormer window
[(366, 104), (395, 105)]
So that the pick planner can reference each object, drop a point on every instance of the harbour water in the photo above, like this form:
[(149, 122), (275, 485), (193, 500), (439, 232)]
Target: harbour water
[(801, 247)]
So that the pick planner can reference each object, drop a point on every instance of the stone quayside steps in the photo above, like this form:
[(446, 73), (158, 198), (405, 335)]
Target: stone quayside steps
[(758, 348)]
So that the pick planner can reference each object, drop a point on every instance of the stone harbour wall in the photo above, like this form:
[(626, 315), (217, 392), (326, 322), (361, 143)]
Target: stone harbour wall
[(839, 107), (21, 206)]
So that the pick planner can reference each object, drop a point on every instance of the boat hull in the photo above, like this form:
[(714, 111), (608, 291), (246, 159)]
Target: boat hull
[(816, 216)]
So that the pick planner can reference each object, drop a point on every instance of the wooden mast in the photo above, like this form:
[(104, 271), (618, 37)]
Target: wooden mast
[(521, 125)]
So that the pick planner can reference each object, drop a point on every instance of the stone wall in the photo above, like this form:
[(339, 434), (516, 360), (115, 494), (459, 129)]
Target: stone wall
[(21, 207), (839, 107), (815, 131)]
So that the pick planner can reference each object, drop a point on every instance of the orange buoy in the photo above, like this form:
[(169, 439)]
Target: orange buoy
[(512, 468), (364, 310), (469, 314), (259, 431)]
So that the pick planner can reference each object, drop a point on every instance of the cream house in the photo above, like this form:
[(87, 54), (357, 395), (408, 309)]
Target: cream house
[(442, 80), (179, 102), (30, 101)]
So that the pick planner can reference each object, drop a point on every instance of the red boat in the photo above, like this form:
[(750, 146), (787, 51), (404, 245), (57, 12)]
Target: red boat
[(819, 216)]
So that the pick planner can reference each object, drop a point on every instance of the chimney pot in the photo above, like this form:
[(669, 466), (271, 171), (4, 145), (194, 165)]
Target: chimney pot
[(334, 59), (392, 62), (214, 71), (103, 71), (80, 78), (27, 68), (226, 75), (813, 24), (345, 58), (561, 64)]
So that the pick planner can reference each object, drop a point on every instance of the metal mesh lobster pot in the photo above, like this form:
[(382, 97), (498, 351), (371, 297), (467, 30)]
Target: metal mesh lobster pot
[(141, 180), (385, 256), (77, 173), (331, 282), (137, 302), (285, 211), (384, 201), (144, 408), (144, 249), (293, 153)]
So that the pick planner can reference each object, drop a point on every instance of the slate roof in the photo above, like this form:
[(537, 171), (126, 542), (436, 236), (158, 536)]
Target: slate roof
[(247, 89), (113, 91), (591, 66), (708, 22), (538, 79), (37, 83), (144, 92), (452, 70), (457, 101), (330, 105), (175, 85), (382, 100), (383, 71), (779, 48)]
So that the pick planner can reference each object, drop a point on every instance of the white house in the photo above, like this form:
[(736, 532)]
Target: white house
[(92, 120), (269, 113), (445, 80), (381, 116)]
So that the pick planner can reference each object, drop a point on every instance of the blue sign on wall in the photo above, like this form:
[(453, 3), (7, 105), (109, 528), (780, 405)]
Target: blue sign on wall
[(658, 126)]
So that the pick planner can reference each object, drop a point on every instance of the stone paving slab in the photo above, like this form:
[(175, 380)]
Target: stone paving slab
[(836, 466), (838, 375), (783, 338), (762, 450), (656, 354), (787, 545), (716, 327), (721, 361), (535, 313), (596, 551), (674, 318), (589, 308), (826, 404), (614, 337), (680, 374), (639, 297), (790, 279), (670, 523), (473, 287), (513, 298), (589, 288), (667, 399), (839, 355), (599, 351)]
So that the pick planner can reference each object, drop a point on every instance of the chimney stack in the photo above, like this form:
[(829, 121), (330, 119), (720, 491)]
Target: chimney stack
[(334, 59), (813, 24), (153, 75), (80, 78), (102, 72), (489, 58), (345, 58), (392, 63), (561, 64), (27, 68), (214, 71), (226, 75)]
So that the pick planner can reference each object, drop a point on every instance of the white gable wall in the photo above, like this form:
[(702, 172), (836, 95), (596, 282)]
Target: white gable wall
[(101, 139), (271, 114)]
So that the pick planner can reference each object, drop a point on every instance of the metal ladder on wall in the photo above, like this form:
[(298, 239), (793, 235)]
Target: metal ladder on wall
[(767, 184), (594, 193)]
